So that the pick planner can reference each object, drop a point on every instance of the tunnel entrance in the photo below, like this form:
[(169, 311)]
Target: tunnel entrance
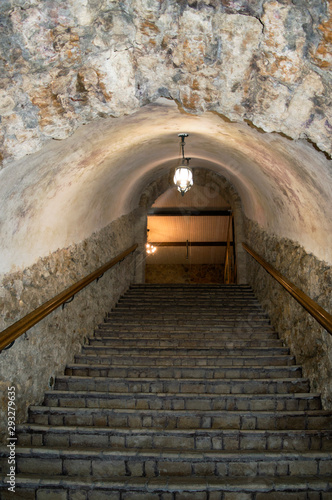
[(193, 236)]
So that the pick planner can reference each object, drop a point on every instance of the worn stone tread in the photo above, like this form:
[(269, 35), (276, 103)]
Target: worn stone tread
[(197, 413), (200, 439), (164, 483), (228, 372)]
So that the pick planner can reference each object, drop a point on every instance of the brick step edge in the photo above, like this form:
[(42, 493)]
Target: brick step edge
[(166, 484), (91, 429), (172, 455)]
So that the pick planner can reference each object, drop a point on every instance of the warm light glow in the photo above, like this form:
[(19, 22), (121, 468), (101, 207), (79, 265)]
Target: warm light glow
[(150, 249), (183, 179)]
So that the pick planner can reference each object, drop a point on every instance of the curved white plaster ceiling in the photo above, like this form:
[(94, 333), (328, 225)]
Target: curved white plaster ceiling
[(77, 186)]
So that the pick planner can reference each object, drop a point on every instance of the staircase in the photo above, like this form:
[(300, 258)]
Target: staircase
[(183, 393)]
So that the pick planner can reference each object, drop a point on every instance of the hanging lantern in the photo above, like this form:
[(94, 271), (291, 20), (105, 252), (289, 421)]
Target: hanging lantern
[(183, 177)]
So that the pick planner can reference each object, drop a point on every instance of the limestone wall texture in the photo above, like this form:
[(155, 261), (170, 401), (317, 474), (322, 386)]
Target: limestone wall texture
[(308, 341), (64, 64), (45, 349)]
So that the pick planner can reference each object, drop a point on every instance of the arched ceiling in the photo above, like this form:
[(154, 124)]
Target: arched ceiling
[(77, 186)]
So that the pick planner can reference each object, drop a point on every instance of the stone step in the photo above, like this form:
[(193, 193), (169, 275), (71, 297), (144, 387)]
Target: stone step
[(81, 382), (183, 307), (190, 301), (152, 463), (187, 305), (199, 286), (180, 329), (163, 401), (173, 316), (168, 361), (146, 369), (175, 439), (190, 293), (178, 419), (190, 289), (227, 321), (234, 348), (189, 344), (264, 487), (179, 313), (184, 393), (191, 385), (244, 402), (105, 331)]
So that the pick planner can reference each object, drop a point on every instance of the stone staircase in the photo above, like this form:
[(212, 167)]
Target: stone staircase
[(183, 393)]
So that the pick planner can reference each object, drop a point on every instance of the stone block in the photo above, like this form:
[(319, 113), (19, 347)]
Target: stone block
[(198, 404), (151, 469), (290, 422), (243, 469), (135, 468), (190, 495), (204, 468), (282, 468), (325, 468), (107, 468), (178, 404), (231, 442), (168, 468), (274, 442), (20, 494), (60, 440), (51, 494), (77, 495), (41, 419), (206, 422), (252, 442), (134, 495), (103, 495), (147, 421), (216, 495), (282, 495), (118, 421), (303, 467), (236, 495), (222, 469), (248, 423), (203, 443), (139, 441), (73, 467), (267, 468), (190, 422), (31, 465), (100, 420)]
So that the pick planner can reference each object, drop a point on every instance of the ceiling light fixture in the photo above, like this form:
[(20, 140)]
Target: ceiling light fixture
[(183, 177)]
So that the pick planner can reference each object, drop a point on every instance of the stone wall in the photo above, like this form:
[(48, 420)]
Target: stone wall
[(179, 273), (42, 353), (308, 341)]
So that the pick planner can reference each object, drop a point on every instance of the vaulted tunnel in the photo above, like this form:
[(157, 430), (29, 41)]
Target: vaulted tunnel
[(93, 96), (74, 188)]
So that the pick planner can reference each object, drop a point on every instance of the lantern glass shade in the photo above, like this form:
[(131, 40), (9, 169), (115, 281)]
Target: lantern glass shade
[(183, 179)]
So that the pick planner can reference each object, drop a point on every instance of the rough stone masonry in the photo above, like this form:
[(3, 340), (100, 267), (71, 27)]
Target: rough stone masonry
[(66, 63)]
